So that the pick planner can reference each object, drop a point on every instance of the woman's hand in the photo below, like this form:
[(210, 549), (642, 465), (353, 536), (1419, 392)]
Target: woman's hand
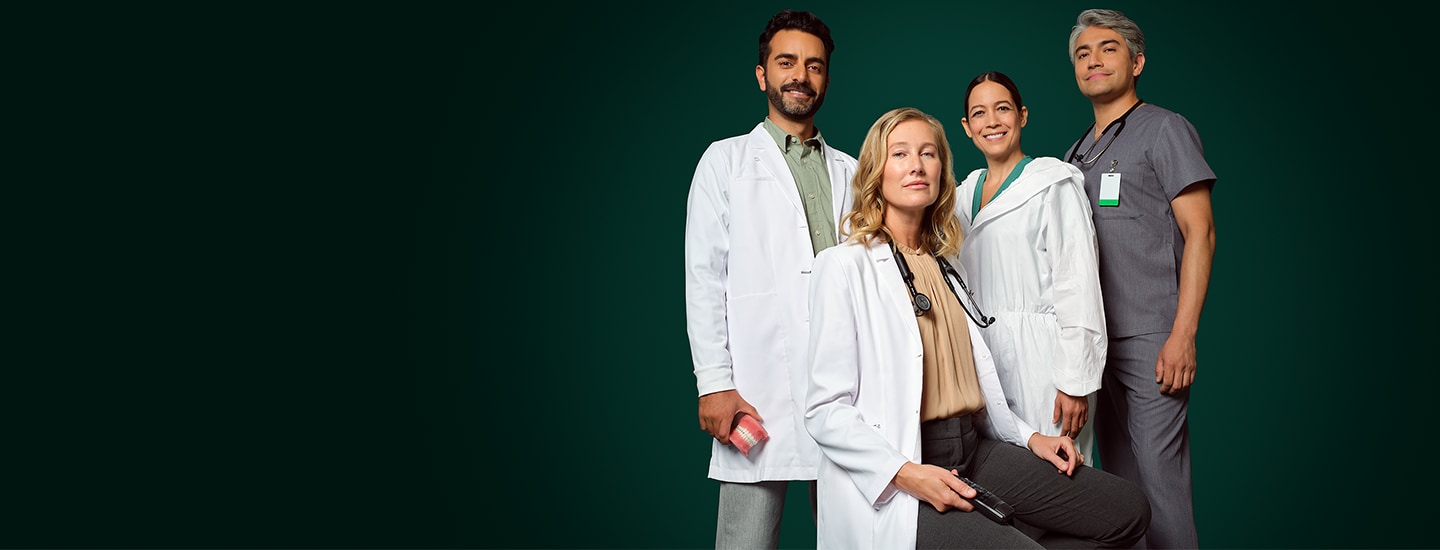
[(1058, 450), (1071, 412), (935, 485)]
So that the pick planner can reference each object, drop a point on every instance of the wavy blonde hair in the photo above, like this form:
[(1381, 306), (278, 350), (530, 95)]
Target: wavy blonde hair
[(866, 219)]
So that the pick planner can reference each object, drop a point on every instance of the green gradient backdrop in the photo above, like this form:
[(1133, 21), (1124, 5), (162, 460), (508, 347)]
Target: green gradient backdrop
[(443, 306)]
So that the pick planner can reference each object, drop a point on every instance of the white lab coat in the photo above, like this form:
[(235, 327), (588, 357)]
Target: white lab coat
[(863, 403), (1032, 258), (747, 275)]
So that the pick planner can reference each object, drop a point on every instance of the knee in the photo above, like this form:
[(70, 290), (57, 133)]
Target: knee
[(1133, 515)]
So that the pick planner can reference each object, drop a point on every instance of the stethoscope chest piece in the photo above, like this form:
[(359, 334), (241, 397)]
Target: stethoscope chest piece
[(922, 302)]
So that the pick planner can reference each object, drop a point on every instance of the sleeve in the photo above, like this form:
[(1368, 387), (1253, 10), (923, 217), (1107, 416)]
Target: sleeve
[(831, 416), (707, 247), (1079, 307), (1178, 157)]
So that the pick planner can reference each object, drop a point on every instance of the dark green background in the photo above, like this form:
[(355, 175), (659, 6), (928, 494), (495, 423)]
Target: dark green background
[(410, 276)]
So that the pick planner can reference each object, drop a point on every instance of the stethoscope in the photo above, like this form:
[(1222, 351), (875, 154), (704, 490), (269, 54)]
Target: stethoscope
[(921, 302), (1074, 151)]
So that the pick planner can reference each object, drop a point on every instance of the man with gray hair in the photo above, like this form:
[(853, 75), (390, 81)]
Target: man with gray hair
[(1149, 187)]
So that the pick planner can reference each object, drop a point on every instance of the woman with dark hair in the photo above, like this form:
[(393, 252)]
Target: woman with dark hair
[(1031, 254)]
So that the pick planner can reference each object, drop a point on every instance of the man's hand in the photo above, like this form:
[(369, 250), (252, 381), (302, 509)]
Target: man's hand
[(718, 410), (1175, 368)]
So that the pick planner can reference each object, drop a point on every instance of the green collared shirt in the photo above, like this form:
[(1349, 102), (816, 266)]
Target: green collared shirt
[(806, 159)]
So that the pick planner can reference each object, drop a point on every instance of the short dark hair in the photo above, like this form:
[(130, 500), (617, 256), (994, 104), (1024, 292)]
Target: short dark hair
[(795, 20)]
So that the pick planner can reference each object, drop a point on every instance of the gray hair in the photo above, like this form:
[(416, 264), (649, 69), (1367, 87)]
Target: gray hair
[(1108, 19)]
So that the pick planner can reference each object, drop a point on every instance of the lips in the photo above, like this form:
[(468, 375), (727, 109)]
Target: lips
[(798, 89)]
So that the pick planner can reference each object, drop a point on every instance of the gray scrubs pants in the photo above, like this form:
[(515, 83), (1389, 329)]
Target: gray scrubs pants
[(1143, 436)]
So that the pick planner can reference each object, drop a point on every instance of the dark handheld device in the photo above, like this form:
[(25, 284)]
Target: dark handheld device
[(988, 503)]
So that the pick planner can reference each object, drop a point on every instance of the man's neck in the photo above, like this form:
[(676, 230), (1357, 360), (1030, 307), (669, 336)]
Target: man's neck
[(1107, 111), (804, 129)]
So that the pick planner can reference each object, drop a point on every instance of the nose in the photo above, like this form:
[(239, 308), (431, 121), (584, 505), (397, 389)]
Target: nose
[(917, 166), (1093, 61)]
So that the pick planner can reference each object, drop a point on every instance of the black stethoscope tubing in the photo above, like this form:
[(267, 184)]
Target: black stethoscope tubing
[(921, 302), (1121, 121)]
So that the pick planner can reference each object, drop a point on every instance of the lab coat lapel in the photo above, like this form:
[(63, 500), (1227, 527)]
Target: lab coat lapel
[(892, 286), (839, 185), (1032, 181), (767, 154)]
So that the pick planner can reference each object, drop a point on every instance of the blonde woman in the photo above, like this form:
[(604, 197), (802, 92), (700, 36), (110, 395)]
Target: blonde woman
[(903, 398)]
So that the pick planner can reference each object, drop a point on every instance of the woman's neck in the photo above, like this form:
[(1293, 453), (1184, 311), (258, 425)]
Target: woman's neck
[(999, 168), (905, 230)]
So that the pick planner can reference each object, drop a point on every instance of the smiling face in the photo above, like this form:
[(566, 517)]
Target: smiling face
[(993, 121), (910, 181), (795, 75), (1104, 69)]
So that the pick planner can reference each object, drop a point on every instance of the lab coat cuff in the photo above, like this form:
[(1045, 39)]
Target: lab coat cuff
[(713, 379), (1077, 388), (888, 492)]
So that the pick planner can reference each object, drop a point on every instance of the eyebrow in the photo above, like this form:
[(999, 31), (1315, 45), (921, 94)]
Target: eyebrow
[(808, 60), (920, 145), (1102, 43), (997, 104)]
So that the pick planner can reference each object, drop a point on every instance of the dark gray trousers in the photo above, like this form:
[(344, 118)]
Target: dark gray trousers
[(1143, 435), (1091, 509)]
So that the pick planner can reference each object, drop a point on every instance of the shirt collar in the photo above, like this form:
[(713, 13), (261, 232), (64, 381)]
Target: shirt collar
[(784, 140)]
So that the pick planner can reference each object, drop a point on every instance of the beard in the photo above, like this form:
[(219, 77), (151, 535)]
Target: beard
[(793, 108)]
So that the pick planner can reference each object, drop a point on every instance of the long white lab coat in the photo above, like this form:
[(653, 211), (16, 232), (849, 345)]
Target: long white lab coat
[(863, 403), (1034, 266), (747, 275)]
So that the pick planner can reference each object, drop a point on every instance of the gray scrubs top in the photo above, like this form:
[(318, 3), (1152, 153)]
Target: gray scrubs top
[(1157, 154)]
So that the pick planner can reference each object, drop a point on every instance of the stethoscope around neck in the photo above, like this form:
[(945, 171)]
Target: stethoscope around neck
[(921, 302), (1075, 154)]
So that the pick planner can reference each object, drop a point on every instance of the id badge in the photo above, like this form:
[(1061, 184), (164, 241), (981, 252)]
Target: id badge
[(1110, 189)]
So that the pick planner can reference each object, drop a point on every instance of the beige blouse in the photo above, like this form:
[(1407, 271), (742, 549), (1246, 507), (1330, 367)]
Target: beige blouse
[(952, 388)]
